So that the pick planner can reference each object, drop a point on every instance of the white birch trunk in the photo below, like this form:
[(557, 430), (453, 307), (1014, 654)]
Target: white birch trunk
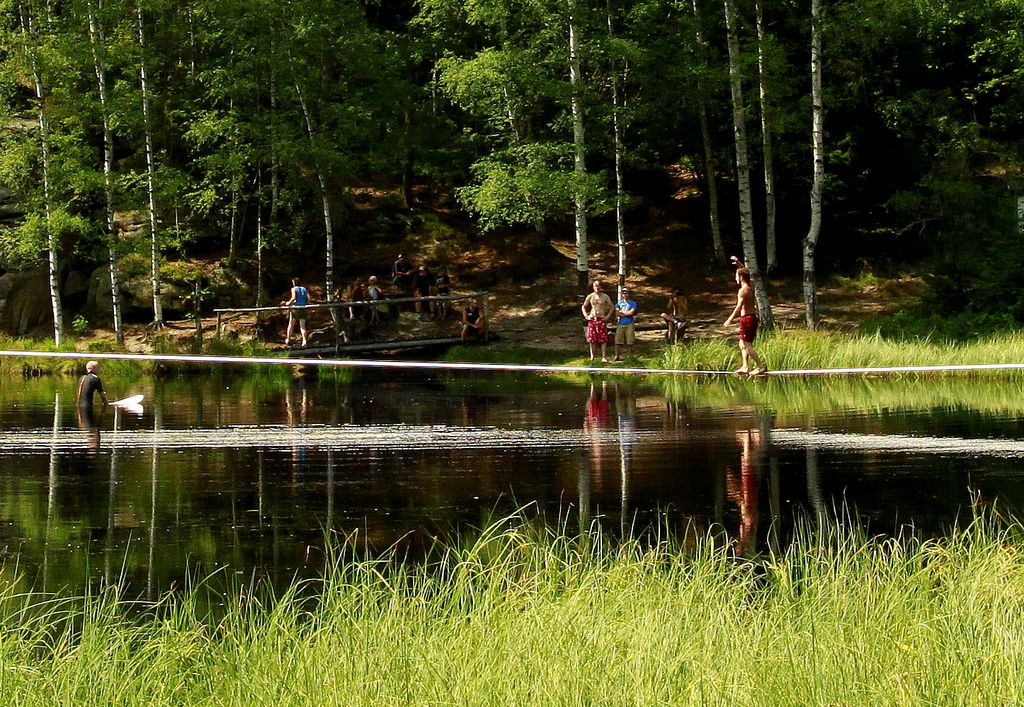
[(154, 255), (325, 200), (710, 168), (817, 183), (28, 32), (620, 221), (766, 142), (764, 309), (579, 162), (98, 43)]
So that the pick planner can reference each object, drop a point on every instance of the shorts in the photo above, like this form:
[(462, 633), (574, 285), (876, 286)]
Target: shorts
[(748, 327), (625, 334), (597, 331), (298, 312)]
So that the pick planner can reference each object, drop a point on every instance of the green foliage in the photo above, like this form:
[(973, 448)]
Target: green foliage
[(527, 184), (79, 325), (181, 271)]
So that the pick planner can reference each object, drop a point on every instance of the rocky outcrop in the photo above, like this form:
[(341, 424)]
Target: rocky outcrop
[(25, 302)]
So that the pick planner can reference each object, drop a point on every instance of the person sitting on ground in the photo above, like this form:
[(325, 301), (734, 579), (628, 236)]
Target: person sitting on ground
[(298, 301), (676, 310), (472, 321), (373, 294)]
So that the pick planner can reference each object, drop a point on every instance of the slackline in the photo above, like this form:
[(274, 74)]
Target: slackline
[(469, 366)]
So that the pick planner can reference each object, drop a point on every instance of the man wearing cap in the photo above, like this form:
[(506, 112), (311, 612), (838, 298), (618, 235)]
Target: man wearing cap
[(625, 332)]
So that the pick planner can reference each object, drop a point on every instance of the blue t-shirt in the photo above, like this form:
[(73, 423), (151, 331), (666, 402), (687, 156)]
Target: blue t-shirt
[(627, 304), (301, 296)]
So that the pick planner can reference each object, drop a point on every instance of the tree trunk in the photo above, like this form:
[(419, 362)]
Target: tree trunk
[(766, 141), (817, 184), (620, 222), (580, 165), (764, 308), (98, 43), (28, 32), (324, 197), (710, 168), (154, 256)]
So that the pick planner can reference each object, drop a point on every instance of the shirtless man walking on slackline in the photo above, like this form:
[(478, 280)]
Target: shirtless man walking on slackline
[(745, 308)]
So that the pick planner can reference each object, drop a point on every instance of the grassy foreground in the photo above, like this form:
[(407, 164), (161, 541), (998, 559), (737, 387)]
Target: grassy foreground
[(517, 619)]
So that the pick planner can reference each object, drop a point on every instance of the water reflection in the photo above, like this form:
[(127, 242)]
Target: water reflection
[(248, 477), (744, 489)]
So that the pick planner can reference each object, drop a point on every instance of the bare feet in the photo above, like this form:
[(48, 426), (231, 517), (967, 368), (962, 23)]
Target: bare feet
[(759, 371), (741, 371)]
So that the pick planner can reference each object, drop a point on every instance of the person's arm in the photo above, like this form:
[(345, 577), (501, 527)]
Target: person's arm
[(736, 309), (585, 307), (103, 397), (291, 300)]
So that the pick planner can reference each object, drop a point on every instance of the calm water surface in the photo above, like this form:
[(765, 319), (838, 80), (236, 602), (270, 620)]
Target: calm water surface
[(244, 477)]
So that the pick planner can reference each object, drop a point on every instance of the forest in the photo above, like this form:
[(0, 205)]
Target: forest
[(822, 134)]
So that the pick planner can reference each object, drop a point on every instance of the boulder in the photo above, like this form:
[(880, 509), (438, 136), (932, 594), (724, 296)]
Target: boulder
[(25, 302)]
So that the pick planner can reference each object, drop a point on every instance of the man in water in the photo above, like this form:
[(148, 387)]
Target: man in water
[(299, 299), (597, 310), (89, 385), (748, 322)]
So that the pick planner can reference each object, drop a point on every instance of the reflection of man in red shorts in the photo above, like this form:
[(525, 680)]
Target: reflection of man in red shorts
[(597, 310), (748, 323)]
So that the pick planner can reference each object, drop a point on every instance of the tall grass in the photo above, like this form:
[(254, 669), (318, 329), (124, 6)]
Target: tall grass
[(802, 349), (521, 618)]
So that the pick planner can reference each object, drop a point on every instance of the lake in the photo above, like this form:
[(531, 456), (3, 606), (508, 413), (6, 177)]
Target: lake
[(246, 477)]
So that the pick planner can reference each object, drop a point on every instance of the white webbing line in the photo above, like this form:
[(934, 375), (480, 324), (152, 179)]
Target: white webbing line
[(462, 365), (354, 363)]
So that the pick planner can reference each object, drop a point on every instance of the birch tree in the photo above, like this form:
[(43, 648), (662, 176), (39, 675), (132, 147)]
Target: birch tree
[(579, 150), (818, 155), (28, 22), (620, 196), (97, 42), (766, 139), (743, 168), (710, 166), (147, 126)]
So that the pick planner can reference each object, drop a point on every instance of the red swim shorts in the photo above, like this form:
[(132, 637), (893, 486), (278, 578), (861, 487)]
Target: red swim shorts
[(597, 331), (748, 327)]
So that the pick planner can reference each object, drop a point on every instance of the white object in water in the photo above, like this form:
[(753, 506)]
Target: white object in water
[(129, 402)]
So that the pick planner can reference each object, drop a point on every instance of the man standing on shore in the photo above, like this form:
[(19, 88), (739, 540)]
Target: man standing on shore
[(597, 310), (748, 322), (625, 331)]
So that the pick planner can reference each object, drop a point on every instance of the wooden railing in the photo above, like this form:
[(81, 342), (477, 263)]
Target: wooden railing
[(380, 304)]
